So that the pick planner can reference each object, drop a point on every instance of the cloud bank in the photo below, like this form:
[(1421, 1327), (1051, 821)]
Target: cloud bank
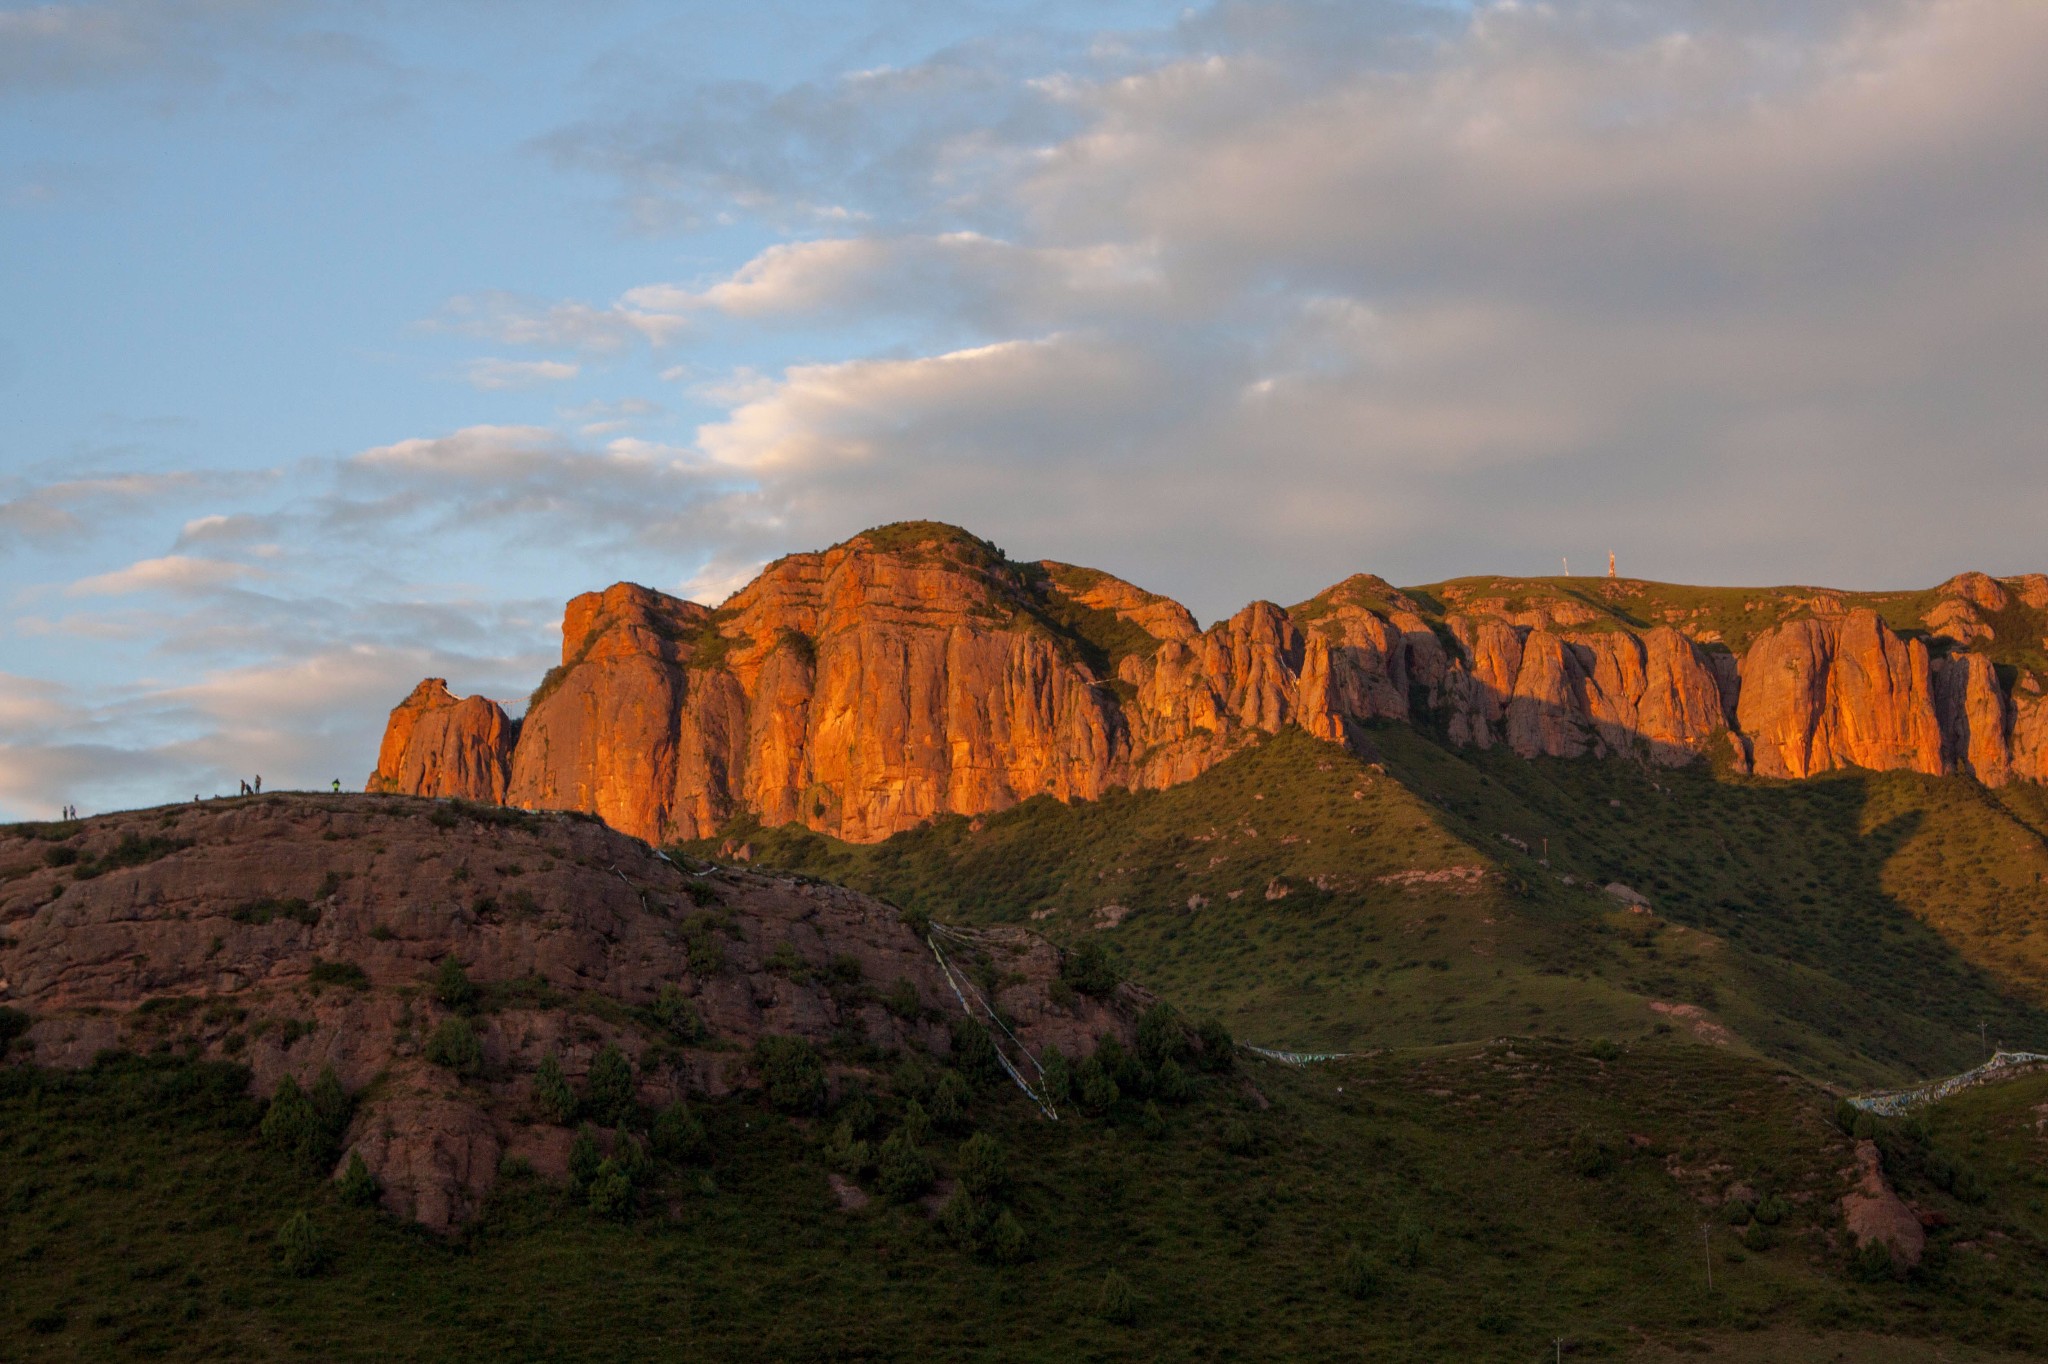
[(1233, 305)]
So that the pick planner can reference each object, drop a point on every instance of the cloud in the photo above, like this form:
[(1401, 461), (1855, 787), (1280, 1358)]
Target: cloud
[(1236, 306), (71, 509), (172, 573), (516, 320), (175, 45), (494, 374), (235, 528)]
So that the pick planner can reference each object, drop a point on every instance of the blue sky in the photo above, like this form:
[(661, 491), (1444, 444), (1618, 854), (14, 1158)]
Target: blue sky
[(339, 344)]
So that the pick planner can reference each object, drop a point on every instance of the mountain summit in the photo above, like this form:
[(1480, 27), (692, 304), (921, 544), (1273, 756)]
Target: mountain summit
[(914, 670)]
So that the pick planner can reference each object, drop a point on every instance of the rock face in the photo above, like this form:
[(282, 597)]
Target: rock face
[(1874, 1215), (914, 671), (233, 931), (435, 745)]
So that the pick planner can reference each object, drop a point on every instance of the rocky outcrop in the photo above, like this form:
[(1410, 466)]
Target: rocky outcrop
[(914, 671), (1824, 693), (1876, 1216), (296, 933), (435, 745)]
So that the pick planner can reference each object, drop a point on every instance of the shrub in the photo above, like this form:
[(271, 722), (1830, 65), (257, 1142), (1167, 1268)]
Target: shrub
[(673, 1010), (1770, 1211), (270, 908), (1358, 1276), (902, 1170), (1218, 1048), (847, 1153), (792, 1072), (331, 1104), (1057, 1082), (981, 1167), (1735, 1213), (1172, 1083), (1097, 1091), (358, 1185), (1090, 969), (553, 1100), (584, 1157), (902, 1000), (299, 1249), (917, 1124), (1006, 1242), (1116, 1303), (1121, 1066), (1873, 1263), (1240, 1138), (453, 1044), (1759, 1237), (452, 985), (677, 1133), (949, 1103), (631, 1157), (964, 1219), (13, 1023), (786, 961), (1151, 1121), (608, 1093), (702, 945), (974, 1052), (611, 1190), (342, 973), (857, 1110), (1161, 1038), (289, 1124)]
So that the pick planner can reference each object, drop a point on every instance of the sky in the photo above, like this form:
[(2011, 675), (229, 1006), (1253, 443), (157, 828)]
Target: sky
[(341, 343)]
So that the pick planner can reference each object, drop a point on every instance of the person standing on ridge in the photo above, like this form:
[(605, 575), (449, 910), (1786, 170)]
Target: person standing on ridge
[(337, 786), (259, 775)]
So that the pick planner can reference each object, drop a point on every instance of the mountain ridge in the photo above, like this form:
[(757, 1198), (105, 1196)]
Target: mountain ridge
[(915, 670)]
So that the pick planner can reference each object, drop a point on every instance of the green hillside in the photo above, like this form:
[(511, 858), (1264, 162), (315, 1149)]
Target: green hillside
[(1464, 1203), (1860, 927)]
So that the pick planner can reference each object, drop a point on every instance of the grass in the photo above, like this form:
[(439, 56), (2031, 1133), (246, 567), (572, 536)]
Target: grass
[(1859, 926), (143, 1210)]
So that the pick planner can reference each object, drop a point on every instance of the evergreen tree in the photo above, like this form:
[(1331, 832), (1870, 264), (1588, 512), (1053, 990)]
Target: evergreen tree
[(608, 1094), (358, 1185), (553, 1100), (299, 1247)]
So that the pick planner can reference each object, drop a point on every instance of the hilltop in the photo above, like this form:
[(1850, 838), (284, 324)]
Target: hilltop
[(434, 957)]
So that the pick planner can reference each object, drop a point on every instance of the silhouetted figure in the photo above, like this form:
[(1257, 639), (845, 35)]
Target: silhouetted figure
[(245, 789), (259, 783), (337, 786)]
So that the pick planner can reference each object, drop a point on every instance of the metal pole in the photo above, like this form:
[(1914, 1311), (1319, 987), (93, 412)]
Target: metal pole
[(1707, 1245)]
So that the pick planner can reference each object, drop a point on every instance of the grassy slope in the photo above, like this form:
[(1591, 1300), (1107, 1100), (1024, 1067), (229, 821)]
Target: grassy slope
[(140, 1210), (1859, 926)]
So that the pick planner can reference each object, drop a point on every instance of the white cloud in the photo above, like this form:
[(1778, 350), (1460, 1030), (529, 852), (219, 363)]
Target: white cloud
[(172, 573), (515, 320), (492, 374)]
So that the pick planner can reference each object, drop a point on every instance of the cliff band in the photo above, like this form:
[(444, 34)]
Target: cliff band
[(915, 671)]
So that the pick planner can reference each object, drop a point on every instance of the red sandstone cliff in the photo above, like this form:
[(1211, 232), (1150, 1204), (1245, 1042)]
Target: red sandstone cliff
[(435, 745), (914, 671)]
